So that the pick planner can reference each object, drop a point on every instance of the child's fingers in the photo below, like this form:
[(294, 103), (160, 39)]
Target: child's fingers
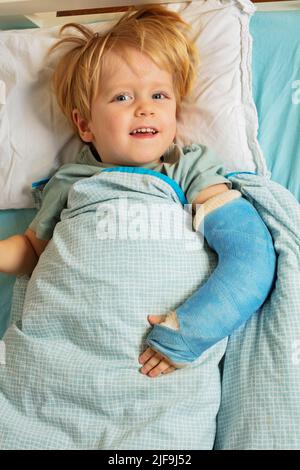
[(168, 370), (146, 355), (151, 363), (154, 363), (160, 368), (154, 319)]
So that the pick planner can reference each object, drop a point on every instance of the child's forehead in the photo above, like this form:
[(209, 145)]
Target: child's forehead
[(127, 58), (132, 64)]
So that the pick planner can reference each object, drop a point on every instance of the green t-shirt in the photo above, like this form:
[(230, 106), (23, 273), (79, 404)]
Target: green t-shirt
[(193, 167)]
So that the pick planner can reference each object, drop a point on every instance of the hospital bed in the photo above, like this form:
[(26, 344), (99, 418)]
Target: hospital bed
[(275, 85)]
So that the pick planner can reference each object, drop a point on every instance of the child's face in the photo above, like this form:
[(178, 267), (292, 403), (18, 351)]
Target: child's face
[(133, 95)]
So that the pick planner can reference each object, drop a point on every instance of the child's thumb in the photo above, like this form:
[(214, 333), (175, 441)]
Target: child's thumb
[(154, 319)]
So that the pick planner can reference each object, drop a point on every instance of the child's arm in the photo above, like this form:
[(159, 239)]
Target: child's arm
[(235, 290), (152, 361), (19, 254)]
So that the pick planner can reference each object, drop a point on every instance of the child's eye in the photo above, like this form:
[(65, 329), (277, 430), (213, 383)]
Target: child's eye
[(162, 94), (123, 94)]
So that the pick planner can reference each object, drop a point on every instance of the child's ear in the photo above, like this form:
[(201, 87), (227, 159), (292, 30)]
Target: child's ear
[(82, 126)]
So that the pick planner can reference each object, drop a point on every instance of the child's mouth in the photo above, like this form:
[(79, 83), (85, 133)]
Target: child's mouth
[(144, 135)]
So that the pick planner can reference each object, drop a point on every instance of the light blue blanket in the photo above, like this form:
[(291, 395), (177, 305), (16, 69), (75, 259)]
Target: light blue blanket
[(71, 378), (71, 374)]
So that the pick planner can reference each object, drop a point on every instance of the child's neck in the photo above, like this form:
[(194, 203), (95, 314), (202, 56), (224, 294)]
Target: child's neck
[(95, 153), (97, 156)]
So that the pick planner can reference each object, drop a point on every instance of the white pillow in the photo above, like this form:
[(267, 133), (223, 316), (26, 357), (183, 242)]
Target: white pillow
[(35, 137), (223, 115)]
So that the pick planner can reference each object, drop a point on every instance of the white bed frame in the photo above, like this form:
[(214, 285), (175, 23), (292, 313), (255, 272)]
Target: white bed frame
[(42, 12)]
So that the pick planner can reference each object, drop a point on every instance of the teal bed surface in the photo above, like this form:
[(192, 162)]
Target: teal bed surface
[(276, 90)]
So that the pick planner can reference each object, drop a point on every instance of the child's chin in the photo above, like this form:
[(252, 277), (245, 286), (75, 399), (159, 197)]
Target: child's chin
[(144, 161)]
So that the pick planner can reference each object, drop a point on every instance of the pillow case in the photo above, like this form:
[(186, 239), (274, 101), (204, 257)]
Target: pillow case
[(35, 138), (223, 114)]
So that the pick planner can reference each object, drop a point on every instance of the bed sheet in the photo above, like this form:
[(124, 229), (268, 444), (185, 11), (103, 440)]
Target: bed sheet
[(11, 222), (66, 364), (276, 92)]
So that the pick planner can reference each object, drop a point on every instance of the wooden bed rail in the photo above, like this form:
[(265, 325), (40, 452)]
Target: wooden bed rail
[(95, 11)]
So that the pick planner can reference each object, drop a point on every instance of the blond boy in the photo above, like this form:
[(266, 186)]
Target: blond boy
[(135, 77)]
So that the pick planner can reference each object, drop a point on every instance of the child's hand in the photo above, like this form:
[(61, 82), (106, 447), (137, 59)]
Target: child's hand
[(153, 362)]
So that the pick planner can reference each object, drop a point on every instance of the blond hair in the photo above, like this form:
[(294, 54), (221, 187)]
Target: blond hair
[(154, 30)]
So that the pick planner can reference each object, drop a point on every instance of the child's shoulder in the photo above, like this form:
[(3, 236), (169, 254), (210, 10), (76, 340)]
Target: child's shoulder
[(192, 161), (68, 172), (188, 155), (197, 149), (176, 153), (83, 165)]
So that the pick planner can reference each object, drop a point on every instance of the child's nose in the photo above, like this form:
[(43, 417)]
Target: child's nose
[(144, 108), (145, 113)]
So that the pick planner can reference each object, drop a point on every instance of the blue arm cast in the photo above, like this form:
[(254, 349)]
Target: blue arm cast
[(236, 289)]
